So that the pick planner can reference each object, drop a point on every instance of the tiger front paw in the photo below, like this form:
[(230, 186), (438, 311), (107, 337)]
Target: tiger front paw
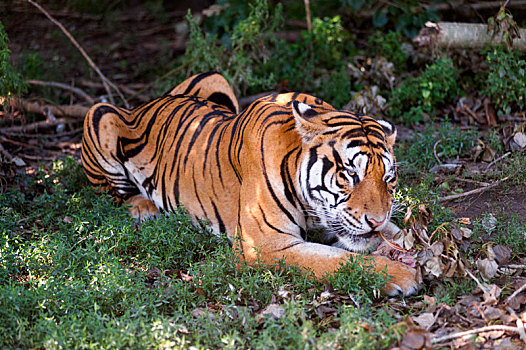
[(403, 281), (141, 208)]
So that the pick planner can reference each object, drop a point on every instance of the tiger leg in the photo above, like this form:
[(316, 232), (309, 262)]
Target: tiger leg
[(271, 239), (141, 208)]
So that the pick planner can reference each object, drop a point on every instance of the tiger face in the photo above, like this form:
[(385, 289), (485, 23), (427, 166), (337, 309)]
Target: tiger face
[(349, 174)]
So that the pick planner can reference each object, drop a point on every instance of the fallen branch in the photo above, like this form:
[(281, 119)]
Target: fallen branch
[(475, 191), (33, 127), (463, 36), (107, 83), (477, 331), (471, 181), (74, 111), (38, 136), (65, 87), (27, 145)]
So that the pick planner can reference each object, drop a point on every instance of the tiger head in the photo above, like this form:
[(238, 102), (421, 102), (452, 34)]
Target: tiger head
[(348, 173)]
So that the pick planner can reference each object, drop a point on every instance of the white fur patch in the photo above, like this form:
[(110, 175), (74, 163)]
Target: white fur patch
[(302, 107), (388, 127)]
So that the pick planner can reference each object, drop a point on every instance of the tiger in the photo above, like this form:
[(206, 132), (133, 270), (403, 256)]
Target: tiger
[(289, 163)]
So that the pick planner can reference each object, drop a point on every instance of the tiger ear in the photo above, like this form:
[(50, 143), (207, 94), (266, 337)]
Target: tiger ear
[(306, 123), (389, 130)]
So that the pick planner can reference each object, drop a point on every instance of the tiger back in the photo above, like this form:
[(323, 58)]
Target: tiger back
[(286, 164)]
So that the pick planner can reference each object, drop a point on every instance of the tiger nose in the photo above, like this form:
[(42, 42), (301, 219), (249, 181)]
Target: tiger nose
[(373, 223)]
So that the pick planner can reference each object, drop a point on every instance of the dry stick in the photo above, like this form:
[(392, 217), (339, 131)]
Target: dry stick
[(34, 126), (480, 285), (519, 323), (26, 145), (435, 151), (471, 181), (63, 86), (477, 331), (107, 83), (523, 287), (475, 191), (498, 160), (51, 135), (307, 15)]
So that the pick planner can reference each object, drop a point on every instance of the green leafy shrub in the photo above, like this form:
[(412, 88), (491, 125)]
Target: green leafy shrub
[(502, 228), (358, 277), (506, 80), (247, 51), (252, 59), (389, 46), (417, 154), (420, 95), (11, 82)]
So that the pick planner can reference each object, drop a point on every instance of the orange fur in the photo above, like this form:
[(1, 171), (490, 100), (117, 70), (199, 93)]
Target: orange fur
[(243, 172)]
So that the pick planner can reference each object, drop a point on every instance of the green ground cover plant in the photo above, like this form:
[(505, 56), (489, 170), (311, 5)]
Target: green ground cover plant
[(77, 272), (11, 82), (419, 96), (505, 82)]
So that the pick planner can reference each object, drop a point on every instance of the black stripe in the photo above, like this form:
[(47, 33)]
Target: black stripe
[(223, 100), (197, 80), (222, 228)]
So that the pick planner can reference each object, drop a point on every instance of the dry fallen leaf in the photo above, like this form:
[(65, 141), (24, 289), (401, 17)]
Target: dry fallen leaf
[(425, 320), (502, 254), (434, 266), (416, 339), (489, 222), (487, 268), (520, 139), (272, 311), (466, 232)]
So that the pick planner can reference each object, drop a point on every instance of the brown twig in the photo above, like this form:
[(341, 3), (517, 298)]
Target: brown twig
[(26, 145), (55, 135), (435, 151), (475, 191), (307, 15), (34, 126), (471, 181), (523, 287), (519, 323), (107, 83), (498, 160), (63, 86), (476, 331), (39, 157)]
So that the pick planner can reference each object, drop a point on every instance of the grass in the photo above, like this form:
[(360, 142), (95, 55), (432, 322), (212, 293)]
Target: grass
[(77, 272)]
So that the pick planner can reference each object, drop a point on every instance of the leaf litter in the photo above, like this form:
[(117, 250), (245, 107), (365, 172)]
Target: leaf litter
[(483, 316)]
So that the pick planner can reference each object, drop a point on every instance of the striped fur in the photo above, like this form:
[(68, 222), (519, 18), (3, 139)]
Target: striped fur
[(286, 164)]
